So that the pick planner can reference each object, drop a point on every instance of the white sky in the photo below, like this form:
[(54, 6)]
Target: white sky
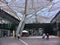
[(43, 12)]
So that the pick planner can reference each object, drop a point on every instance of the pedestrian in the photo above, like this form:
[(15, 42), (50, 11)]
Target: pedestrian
[(43, 36), (47, 36), (18, 36)]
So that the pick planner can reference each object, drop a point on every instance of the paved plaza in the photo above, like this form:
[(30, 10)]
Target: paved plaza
[(29, 41)]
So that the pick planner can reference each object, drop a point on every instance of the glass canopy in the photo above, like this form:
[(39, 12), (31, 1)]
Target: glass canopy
[(38, 11)]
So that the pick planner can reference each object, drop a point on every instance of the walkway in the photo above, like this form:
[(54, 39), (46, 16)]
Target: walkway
[(29, 41)]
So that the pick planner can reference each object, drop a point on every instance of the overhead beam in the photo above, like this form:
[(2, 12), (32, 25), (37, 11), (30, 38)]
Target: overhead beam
[(8, 17)]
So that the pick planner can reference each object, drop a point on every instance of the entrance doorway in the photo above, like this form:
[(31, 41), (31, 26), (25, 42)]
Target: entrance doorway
[(4, 33)]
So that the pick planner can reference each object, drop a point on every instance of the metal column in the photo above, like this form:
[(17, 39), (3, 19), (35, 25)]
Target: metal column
[(22, 22)]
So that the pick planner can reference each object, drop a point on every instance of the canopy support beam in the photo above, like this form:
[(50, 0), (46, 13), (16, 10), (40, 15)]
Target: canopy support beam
[(22, 22)]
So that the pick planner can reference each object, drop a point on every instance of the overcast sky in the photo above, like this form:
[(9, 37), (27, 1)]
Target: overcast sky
[(44, 11)]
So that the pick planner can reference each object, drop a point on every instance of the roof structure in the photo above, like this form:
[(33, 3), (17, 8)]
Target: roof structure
[(38, 11), (5, 17), (56, 18)]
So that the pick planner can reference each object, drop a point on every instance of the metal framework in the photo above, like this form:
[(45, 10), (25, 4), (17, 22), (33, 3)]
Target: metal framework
[(33, 6), (28, 7)]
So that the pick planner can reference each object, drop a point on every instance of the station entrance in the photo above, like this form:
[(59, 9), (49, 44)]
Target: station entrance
[(4, 33)]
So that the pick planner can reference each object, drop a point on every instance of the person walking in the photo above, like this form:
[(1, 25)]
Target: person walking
[(47, 36), (43, 36), (18, 36)]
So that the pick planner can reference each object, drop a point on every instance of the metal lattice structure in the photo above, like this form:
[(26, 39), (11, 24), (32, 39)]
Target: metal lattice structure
[(33, 6), (32, 11)]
